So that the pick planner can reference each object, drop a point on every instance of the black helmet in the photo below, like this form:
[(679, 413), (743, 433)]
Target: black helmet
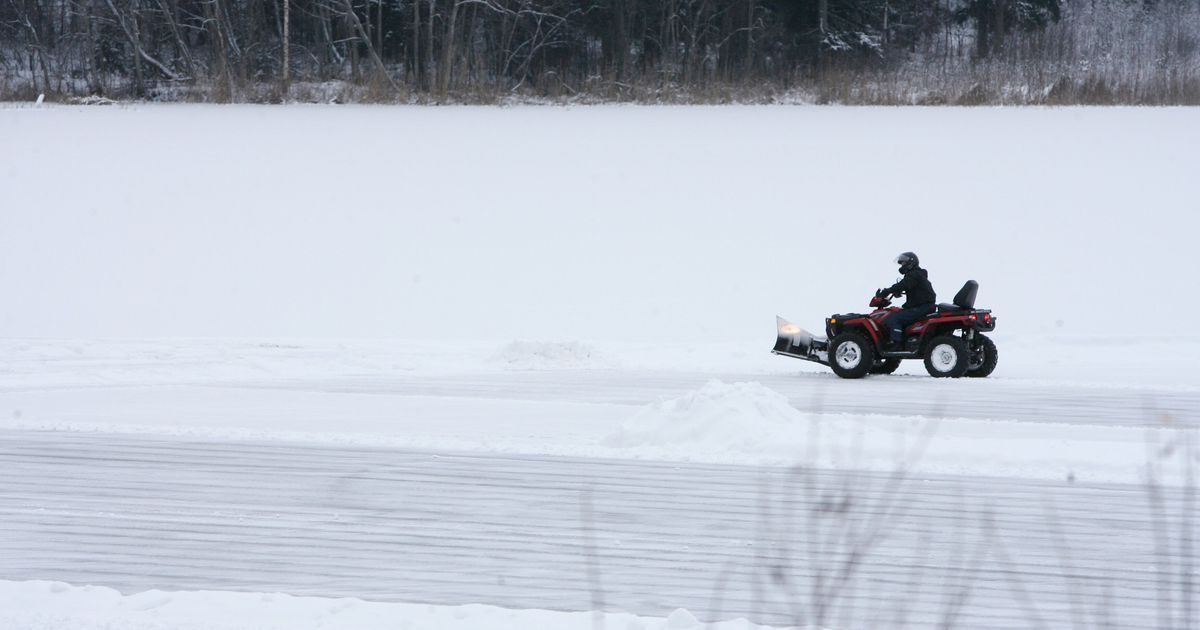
[(907, 261)]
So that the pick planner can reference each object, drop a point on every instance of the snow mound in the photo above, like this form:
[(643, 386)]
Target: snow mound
[(548, 355), (682, 619), (743, 417)]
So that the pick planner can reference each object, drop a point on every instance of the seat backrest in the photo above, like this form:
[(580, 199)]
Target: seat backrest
[(965, 298)]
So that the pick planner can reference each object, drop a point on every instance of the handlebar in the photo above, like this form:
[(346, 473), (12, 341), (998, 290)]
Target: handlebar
[(881, 299)]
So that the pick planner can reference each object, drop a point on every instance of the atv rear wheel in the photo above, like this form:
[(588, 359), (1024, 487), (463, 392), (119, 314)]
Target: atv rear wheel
[(984, 358), (885, 366), (851, 355), (947, 357)]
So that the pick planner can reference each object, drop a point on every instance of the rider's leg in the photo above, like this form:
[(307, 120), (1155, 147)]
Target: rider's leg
[(897, 322)]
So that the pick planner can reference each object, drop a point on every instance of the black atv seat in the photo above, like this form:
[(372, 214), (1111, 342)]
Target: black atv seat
[(964, 300)]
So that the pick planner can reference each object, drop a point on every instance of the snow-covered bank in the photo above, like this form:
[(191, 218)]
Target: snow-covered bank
[(743, 423), (42, 605), (727, 422)]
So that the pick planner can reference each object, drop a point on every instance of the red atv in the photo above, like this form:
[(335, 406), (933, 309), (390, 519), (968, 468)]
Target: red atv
[(950, 340)]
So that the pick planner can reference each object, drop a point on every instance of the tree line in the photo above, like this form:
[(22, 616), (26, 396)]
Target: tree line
[(667, 50)]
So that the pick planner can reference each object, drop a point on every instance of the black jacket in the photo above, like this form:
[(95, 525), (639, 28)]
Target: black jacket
[(915, 284)]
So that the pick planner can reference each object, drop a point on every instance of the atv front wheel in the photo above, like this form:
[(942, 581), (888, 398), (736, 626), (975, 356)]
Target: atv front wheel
[(851, 355), (984, 358), (947, 357), (885, 366)]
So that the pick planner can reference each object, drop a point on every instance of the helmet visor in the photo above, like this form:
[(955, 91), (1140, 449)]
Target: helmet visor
[(903, 259)]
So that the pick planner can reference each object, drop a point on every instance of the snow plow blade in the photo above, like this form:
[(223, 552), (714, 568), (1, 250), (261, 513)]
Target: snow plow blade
[(793, 341)]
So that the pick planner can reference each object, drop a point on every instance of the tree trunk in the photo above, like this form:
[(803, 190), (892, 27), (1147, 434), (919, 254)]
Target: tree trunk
[(234, 48), (352, 46), (325, 21), (621, 56), (358, 27), (887, 33), (430, 69), (999, 27), (748, 70), (214, 18), (448, 50), (415, 45), (286, 87), (94, 84), (173, 25), (983, 24), (135, 39)]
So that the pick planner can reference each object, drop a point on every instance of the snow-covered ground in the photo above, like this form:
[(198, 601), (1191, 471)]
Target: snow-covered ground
[(769, 411), (39, 605), (608, 223), (569, 285)]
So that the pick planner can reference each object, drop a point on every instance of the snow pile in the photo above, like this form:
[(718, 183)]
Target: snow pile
[(548, 355), (42, 605), (750, 424), (743, 417)]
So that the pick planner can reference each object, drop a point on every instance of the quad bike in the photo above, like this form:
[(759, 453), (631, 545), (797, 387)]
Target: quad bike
[(950, 340)]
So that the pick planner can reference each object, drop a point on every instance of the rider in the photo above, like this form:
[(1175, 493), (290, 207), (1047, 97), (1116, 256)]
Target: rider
[(921, 298)]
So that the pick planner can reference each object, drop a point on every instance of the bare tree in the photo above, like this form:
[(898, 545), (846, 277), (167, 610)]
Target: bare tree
[(976, 51)]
